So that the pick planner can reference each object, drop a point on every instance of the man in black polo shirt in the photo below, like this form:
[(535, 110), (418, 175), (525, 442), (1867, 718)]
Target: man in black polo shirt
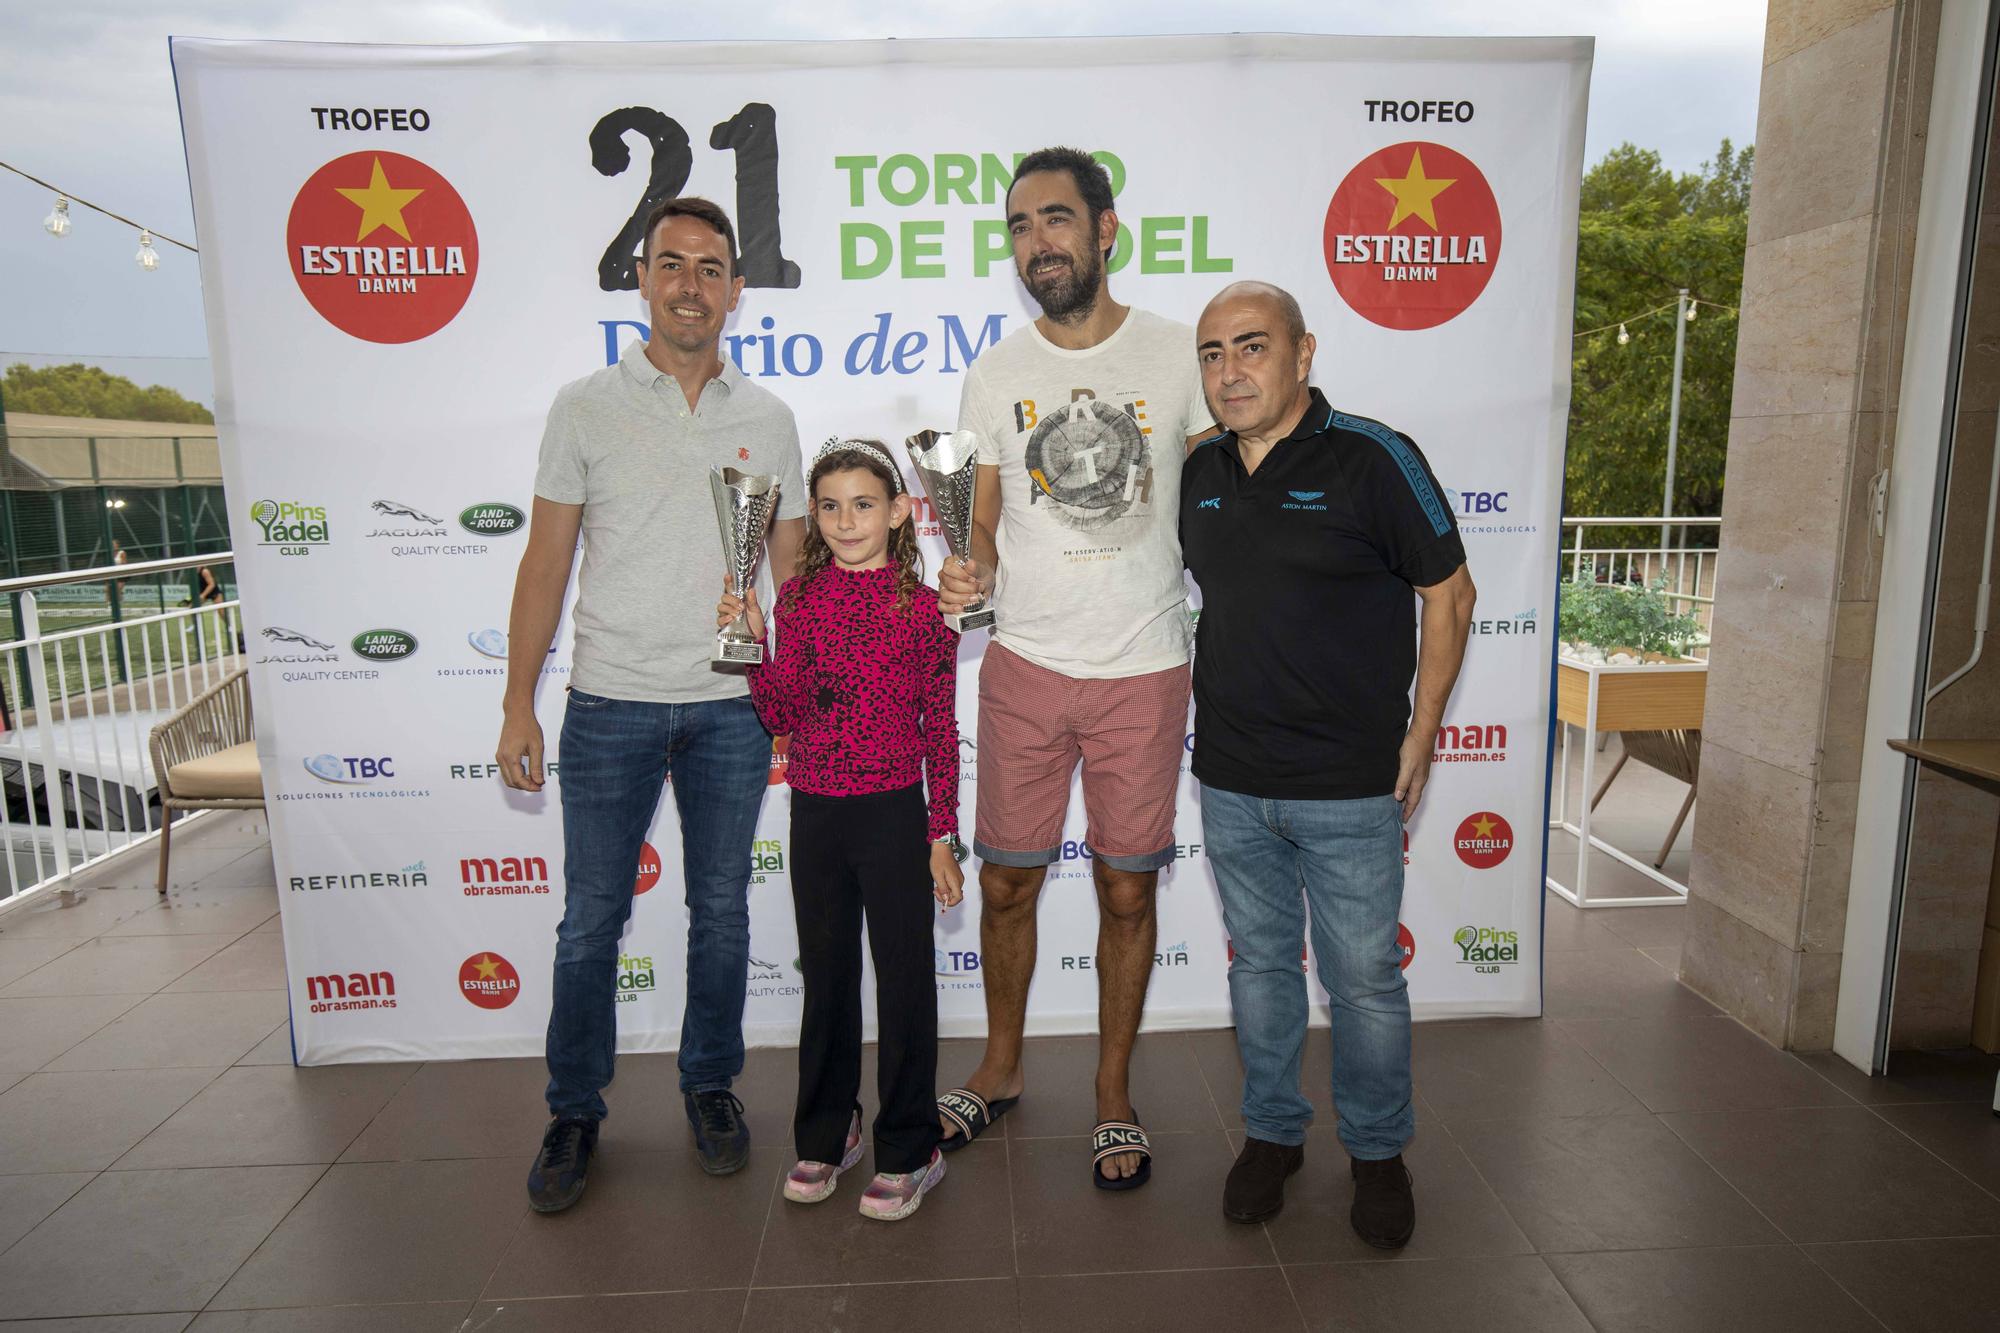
[(1307, 529)]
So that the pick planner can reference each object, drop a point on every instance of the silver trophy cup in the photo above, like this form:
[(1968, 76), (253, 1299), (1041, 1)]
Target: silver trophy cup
[(949, 467), (744, 503)]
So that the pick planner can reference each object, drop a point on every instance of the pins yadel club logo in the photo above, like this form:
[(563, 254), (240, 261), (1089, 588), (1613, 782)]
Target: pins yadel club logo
[(1412, 236), (382, 247), (1483, 840), (489, 981)]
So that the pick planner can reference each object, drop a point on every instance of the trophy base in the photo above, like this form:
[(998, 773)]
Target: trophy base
[(964, 622), (736, 652)]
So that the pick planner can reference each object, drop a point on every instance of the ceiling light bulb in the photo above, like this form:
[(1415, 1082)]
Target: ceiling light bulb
[(56, 223), (148, 257)]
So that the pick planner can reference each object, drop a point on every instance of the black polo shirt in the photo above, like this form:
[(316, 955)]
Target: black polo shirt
[(1308, 636)]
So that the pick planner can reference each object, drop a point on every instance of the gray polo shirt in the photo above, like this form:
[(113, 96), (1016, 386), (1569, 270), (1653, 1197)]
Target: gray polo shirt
[(623, 444)]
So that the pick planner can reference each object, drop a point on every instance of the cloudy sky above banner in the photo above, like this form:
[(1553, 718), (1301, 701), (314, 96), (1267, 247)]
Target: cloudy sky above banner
[(87, 101)]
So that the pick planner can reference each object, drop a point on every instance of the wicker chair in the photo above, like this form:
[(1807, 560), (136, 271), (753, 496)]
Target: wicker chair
[(1675, 753), (205, 758)]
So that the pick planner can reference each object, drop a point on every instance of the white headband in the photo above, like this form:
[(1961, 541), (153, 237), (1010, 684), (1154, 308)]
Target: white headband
[(840, 446)]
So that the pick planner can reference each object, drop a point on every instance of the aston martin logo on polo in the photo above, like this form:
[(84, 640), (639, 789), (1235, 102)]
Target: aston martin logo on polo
[(1412, 236), (382, 247)]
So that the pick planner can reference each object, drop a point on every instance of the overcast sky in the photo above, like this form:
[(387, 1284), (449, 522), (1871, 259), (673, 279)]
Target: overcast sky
[(87, 101)]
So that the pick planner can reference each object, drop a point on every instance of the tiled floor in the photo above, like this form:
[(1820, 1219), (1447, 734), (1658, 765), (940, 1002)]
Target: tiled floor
[(1633, 1161)]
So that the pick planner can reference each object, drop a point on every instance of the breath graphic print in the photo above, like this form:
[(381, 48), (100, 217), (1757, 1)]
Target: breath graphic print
[(1091, 461)]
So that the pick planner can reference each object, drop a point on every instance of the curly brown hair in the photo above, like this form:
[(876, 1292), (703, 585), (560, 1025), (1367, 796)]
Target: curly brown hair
[(815, 555)]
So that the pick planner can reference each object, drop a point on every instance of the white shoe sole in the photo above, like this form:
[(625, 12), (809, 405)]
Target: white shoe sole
[(825, 1190), (915, 1202)]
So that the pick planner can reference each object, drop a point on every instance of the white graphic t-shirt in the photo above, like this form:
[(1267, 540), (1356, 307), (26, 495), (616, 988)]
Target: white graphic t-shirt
[(1089, 446)]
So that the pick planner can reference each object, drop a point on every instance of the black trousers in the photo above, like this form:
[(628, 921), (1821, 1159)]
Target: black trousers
[(853, 855)]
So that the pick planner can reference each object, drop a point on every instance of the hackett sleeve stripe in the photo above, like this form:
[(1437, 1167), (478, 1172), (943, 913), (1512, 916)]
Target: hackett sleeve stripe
[(1413, 471)]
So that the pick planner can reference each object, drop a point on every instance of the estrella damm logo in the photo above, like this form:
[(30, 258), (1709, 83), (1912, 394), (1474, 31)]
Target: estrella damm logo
[(489, 981), (1483, 840), (648, 873), (1412, 236), (382, 246)]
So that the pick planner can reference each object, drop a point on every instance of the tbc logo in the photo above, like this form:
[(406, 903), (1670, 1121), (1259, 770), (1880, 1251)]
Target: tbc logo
[(356, 990), (351, 768), (1484, 840), (1407, 249), (342, 242), (649, 869), (1476, 502), (489, 981), (954, 962)]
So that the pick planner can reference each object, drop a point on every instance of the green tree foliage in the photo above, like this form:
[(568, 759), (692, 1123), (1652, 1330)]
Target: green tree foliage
[(1643, 233), (86, 391)]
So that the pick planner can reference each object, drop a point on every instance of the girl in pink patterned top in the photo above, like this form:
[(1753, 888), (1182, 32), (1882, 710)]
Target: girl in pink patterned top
[(864, 679)]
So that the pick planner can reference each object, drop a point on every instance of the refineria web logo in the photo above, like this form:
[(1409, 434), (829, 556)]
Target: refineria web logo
[(1412, 236), (382, 246)]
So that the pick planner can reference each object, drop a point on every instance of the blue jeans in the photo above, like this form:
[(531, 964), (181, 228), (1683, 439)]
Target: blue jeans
[(1343, 860), (615, 756)]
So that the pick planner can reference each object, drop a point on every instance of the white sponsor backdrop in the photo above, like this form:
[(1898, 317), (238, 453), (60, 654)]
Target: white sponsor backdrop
[(1228, 152)]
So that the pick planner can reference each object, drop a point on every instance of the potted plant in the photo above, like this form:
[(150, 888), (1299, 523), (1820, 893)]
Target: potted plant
[(1621, 624)]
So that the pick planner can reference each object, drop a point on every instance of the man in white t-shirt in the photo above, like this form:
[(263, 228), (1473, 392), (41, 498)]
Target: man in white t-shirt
[(1083, 419)]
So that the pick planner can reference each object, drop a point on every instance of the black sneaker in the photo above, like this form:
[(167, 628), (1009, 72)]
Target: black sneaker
[(1255, 1191), (1385, 1211), (721, 1138), (557, 1178)]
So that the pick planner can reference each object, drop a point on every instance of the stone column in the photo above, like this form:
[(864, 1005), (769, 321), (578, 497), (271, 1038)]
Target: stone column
[(1840, 136)]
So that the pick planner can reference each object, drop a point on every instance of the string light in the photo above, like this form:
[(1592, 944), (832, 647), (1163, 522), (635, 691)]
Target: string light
[(1623, 337), (1624, 334), (1692, 303), (57, 223)]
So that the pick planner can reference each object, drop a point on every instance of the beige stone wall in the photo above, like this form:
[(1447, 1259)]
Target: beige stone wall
[(1840, 132)]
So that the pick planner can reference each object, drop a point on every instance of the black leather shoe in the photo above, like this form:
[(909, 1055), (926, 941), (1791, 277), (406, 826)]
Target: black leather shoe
[(721, 1138), (1256, 1187), (557, 1178), (1385, 1210)]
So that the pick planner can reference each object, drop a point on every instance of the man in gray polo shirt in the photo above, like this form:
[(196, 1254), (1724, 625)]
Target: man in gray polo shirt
[(625, 460)]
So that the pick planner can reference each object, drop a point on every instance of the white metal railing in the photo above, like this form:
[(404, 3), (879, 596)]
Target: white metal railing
[(76, 779), (1689, 570)]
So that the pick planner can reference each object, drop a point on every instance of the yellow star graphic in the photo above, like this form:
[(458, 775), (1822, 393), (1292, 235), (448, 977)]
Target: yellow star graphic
[(486, 967), (380, 204), (1415, 192), (1483, 827)]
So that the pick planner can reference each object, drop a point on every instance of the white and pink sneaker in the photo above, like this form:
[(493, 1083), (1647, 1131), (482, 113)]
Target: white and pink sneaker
[(893, 1196), (813, 1182)]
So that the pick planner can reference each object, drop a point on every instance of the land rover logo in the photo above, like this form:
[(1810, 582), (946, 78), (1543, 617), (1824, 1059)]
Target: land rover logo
[(384, 645), (492, 519)]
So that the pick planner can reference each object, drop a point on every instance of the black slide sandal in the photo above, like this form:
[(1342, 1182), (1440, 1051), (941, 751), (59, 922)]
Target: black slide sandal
[(972, 1114), (1112, 1137)]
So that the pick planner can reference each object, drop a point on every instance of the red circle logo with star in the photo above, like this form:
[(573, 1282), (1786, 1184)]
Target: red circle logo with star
[(649, 869), (1406, 946), (489, 981), (1412, 236), (1484, 840), (382, 246)]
